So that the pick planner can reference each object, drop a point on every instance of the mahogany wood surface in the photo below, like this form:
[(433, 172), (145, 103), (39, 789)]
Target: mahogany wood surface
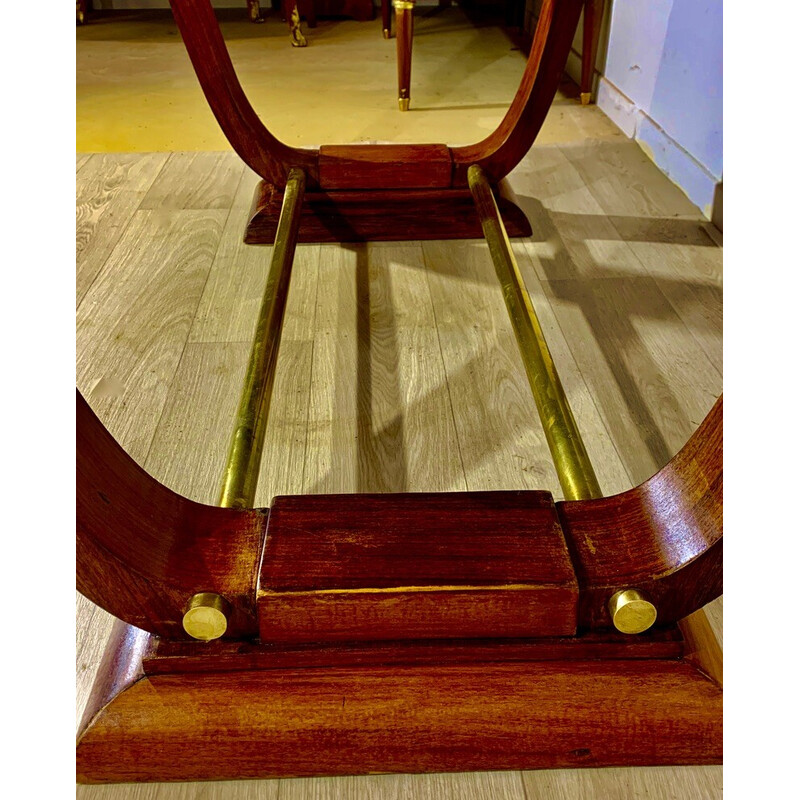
[(407, 566), (121, 667), (379, 216), (424, 718), (498, 154), (257, 147), (142, 551), (404, 32), (664, 537), (592, 20), (169, 656), (395, 566), (503, 149), (367, 166), (386, 18)]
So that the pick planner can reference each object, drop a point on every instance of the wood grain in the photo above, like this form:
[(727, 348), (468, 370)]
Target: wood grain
[(133, 324), (364, 166), (663, 538), (379, 215), (500, 439), (143, 551), (169, 657), (221, 174), (110, 190), (426, 441), (395, 566), (662, 230), (430, 719)]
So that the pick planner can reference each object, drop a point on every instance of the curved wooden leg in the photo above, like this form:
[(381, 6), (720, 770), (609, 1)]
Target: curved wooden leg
[(386, 18), (404, 20), (592, 20), (295, 30), (254, 11)]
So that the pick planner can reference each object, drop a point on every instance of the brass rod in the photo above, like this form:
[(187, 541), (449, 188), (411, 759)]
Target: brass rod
[(574, 469), (244, 456)]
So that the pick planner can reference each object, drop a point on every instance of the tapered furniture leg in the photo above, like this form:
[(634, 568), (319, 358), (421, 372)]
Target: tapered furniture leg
[(386, 18), (309, 12), (80, 11), (295, 30), (592, 20), (404, 20), (254, 11)]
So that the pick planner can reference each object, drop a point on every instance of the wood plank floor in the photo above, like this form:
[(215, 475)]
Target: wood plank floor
[(398, 370)]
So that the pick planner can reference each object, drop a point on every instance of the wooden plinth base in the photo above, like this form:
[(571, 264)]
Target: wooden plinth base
[(151, 719), (379, 215)]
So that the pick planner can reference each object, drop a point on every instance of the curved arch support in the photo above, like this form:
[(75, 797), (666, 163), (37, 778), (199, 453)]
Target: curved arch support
[(143, 551), (259, 149), (663, 537), (503, 149), (498, 154)]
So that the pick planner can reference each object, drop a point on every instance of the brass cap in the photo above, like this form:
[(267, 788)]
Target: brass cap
[(205, 617), (403, 102), (631, 612), (586, 98), (386, 33)]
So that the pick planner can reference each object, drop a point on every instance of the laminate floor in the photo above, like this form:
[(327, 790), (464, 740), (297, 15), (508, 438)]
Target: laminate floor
[(398, 368)]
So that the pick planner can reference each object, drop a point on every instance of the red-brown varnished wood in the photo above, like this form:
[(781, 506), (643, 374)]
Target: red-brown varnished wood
[(379, 216), (592, 20), (503, 149), (168, 657), (498, 154), (663, 537), (403, 166), (413, 566), (257, 147), (404, 33), (337, 721), (122, 665), (142, 551)]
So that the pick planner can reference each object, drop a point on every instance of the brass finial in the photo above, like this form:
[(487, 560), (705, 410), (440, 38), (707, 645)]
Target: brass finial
[(205, 617), (631, 612)]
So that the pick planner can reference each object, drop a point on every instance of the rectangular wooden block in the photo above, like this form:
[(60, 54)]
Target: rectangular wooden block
[(415, 566), (379, 215), (408, 166)]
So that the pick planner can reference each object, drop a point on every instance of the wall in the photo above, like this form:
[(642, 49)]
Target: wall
[(659, 66)]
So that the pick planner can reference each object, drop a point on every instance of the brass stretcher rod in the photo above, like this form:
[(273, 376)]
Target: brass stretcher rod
[(630, 610), (244, 457), (575, 472)]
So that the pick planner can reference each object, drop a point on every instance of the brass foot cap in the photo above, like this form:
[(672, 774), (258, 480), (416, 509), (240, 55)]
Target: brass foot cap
[(387, 34), (403, 103), (586, 98), (631, 612), (205, 617)]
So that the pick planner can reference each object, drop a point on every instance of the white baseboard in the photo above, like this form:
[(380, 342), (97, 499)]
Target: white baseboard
[(673, 160)]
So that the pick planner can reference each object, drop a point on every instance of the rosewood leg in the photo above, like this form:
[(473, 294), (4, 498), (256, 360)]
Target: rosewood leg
[(80, 11), (404, 20), (254, 11), (295, 30), (386, 17), (592, 20), (309, 12)]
